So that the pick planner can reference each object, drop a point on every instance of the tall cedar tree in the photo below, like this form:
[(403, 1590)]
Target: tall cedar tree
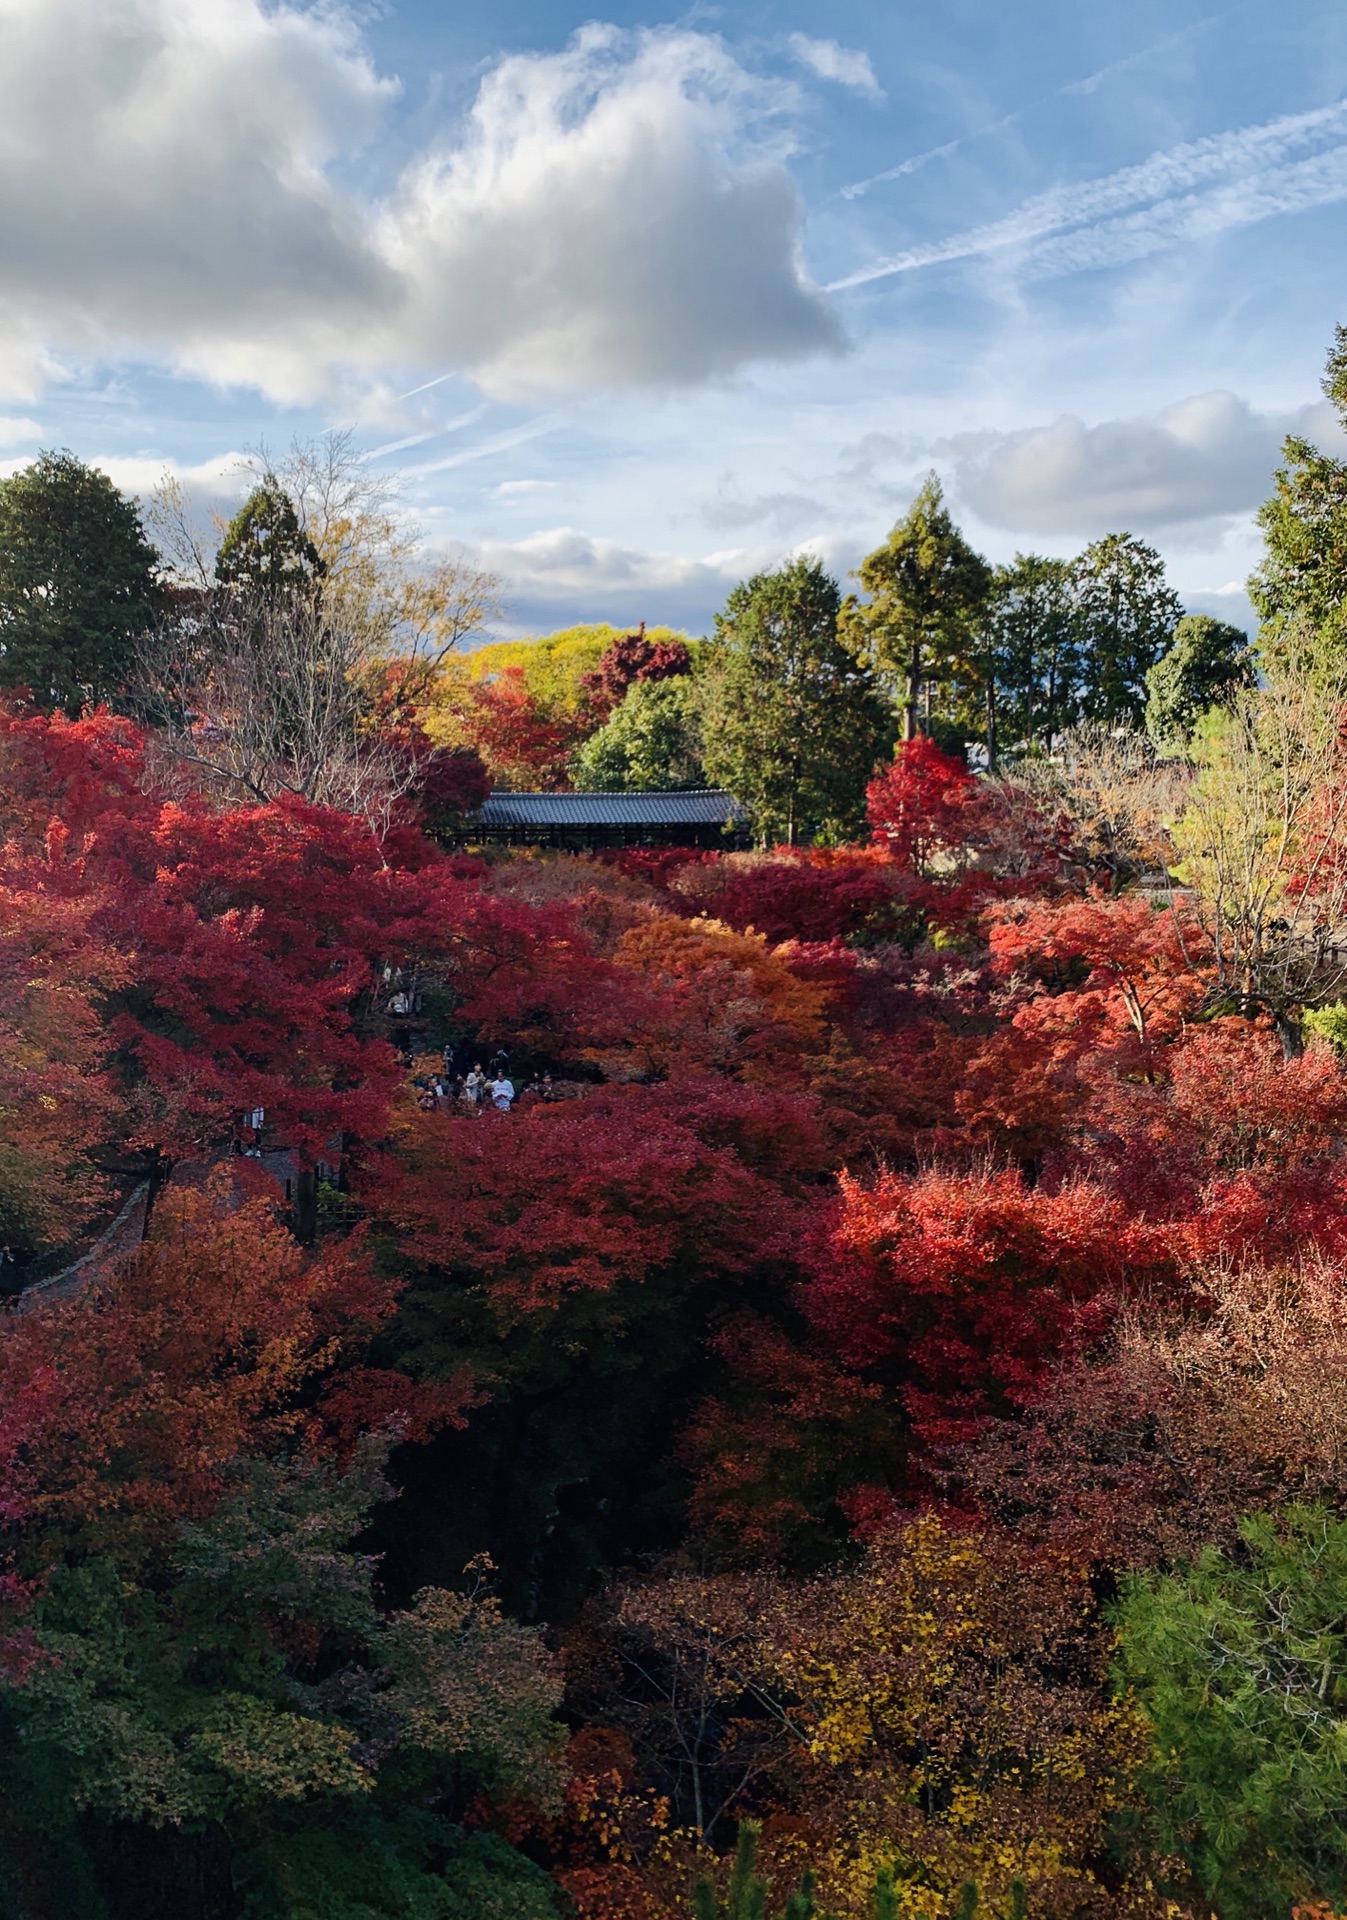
[(927, 588), (1304, 575), (1033, 644), (77, 582), (1128, 614), (265, 551), (793, 725)]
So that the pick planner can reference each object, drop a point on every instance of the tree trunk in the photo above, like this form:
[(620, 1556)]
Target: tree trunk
[(1290, 1033), (913, 691), (991, 723), (305, 1208)]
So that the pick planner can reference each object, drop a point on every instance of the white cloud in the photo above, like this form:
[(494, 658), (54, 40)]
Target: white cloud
[(617, 214), (163, 184), (16, 428), (1186, 194), (564, 574), (222, 479), (564, 557), (845, 65), (1230, 602), (225, 476), (1208, 456), (171, 188)]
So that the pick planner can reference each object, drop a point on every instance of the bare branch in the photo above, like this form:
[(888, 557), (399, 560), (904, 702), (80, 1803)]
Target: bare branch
[(270, 696)]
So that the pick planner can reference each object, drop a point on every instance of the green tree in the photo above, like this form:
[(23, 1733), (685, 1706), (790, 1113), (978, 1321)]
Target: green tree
[(648, 744), (746, 1894), (746, 1891), (1303, 576), (178, 1695), (927, 588), (77, 582), (1240, 1664), (793, 725), (1208, 662), (1033, 637), (265, 551), (1128, 613)]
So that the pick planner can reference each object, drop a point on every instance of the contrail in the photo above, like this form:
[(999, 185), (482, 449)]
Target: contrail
[(1088, 85), (431, 433), (1272, 178), (438, 381), (531, 430)]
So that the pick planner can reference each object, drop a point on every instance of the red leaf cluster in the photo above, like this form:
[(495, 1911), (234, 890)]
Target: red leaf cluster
[(630, 659)]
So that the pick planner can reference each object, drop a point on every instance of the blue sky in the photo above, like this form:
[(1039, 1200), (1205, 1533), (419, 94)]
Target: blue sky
[(639, 302)]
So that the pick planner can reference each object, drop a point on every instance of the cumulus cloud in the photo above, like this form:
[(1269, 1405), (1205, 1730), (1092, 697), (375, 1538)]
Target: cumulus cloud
[(224, 477), (845, 65), (174, 185), (618, 213), (218, 482), (164, 185), (563, 557), (563, 574), (1208, 456)]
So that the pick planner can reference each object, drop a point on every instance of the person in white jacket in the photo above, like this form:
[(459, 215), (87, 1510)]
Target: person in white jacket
[(502, 1094)]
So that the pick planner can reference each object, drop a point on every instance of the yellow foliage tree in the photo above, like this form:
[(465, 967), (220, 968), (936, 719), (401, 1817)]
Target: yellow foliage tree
[(947, 1719)]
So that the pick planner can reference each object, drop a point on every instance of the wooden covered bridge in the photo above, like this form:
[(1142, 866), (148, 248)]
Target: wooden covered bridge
[(705, 817)]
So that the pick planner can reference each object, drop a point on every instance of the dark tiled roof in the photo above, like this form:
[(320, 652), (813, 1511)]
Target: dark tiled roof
[(703, 807)]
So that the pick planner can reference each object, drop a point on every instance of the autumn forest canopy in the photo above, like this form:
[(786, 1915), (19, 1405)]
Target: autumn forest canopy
[(863, 1434)]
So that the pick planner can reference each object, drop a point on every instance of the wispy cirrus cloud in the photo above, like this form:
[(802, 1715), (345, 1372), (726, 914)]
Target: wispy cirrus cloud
[(846, 65), (1185, 193)]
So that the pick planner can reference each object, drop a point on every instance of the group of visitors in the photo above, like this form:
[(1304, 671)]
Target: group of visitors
[(480, 1089)]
